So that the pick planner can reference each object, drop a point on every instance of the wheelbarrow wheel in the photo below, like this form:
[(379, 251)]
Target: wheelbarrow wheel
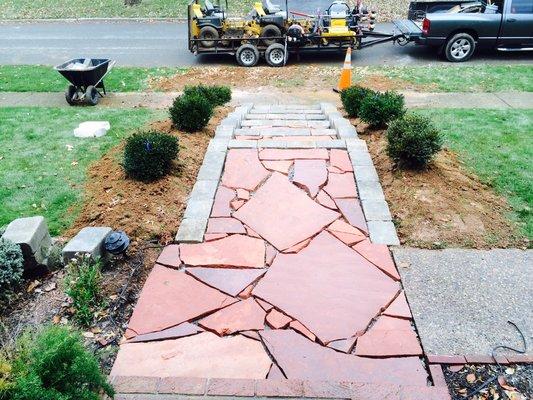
[(70, 94), (91, 96)]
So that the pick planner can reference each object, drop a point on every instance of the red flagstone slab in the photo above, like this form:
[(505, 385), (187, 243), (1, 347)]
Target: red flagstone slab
[(297, 326), (352, 211), (221, 205), (251, 334), (310, 175), (379, 255), (233, 251), (182, 330), (298, 247), (225, 225), (242, 316), (304, 154), (252, 233), (300, 358), (279, 166), (341, 186), (170, 256), (296, 217), (341, 160), (171, 297), (266, 306), (246, 293), (277, 320), (243, 170), (271, 254), (399, 308), (389, 337), (236, 204), (324, 199), (243, 194), (346, 233), (345, 345), (230, 281), (328, 287), (275, 373), (209, 237), (200, 356)]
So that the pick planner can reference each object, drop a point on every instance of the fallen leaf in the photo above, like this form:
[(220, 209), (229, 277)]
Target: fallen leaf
[(509, 371), (56, 320), (471, 378), (74, 163), (503, 383), (88, 335), (32, 286), (49, 287)]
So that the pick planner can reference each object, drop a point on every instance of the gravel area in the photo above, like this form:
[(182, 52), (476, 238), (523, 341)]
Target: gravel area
[(462, 299)]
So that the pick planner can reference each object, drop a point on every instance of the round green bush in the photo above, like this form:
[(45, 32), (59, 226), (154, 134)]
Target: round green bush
[(148, 155), (216, 95), (379, 109), (191, 113), (11, 266), (353, 97), (413, 141)]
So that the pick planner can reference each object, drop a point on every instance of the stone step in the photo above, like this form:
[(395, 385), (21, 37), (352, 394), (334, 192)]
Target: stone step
[(281, 131), (285, 123), (283, 111), (287, 107), (288, 117)]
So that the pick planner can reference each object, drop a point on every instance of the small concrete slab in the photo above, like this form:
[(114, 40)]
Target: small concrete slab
[(33, 237), (191, 230), (383, 232), (461, 300), (89, 241)]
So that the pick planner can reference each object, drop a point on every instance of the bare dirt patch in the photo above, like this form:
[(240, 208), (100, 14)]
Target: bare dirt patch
[(444, 205)]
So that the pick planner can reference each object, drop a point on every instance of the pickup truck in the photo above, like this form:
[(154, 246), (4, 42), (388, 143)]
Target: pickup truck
[(506, 25)]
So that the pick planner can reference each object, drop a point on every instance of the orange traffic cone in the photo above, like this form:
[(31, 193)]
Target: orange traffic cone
[(346, 75)]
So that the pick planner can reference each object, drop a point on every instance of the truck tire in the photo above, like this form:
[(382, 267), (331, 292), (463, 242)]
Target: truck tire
[(275, 55), (91, 96), (247, 55), (270, 31), (460, 47), (208, 35)]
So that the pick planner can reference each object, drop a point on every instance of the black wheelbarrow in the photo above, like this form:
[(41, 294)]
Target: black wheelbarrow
[(86, 77)]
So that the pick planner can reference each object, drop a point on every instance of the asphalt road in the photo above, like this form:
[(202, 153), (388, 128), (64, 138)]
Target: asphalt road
[(164, 43)]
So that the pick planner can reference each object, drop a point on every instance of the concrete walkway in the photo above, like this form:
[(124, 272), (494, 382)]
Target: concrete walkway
[(162, 100)]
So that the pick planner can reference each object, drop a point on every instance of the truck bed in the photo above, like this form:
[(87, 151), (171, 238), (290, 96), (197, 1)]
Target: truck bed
[(410, 29)]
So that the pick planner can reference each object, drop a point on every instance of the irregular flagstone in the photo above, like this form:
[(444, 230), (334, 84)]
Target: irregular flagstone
[(243, 170), (229, 281), (209, 237), (277, 320), (399, 308), (341, 186), (279, 166), (236, 204), (346, 233), (275, 373), (379, 255), (252, 233), (297, 326), (221, 205), (283, 154), (242, 316), (243, 194), (182, 330), (389, 337), (296, 216), (298, 247), (345, 345), (225, 225), (324, 199), (200, 356), (335, 170), (170, 256), (341, 160), (246, 293), (310, 175), (171, 297), (300, 358), (266, 306), (328, 287), (352, 211), (271, 254), (232, 251)]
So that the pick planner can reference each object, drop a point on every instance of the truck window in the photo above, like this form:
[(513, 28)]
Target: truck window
[(522, 7)]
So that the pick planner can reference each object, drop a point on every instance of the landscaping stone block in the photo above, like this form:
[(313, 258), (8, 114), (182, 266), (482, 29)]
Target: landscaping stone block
[(383, 232), (346, 130), (247, 132), (271, 144), (330, 144), (370, 190), (376, 210), (242, 144), (198, 209), (33, 237), (191, 230), (204, 190), (212, 166), (360, 158), (224, 131), (333, 117), (365, 173), (353, 144), (88, 241), (299, 144), (218, 145)]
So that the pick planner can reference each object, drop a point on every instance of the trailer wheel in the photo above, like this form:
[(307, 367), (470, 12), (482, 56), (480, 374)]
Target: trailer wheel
[(270, 31), (70, 94), (247, 55), (275, 55), (91, 96), (208, 35), (460, 47)]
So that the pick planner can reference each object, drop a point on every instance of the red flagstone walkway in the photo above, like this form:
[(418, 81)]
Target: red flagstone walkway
[(286, 287)]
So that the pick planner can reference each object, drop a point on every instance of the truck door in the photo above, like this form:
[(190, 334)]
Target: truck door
[(517, 24)]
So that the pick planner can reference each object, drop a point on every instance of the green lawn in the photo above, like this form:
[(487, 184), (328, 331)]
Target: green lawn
[(498, 146), (43, 166)]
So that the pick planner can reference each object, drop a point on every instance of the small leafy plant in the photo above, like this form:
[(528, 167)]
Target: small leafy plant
[(413, 141), (352, 99), (191, 113), (83, 286), (148, 155), (11, 266), (379, 109), (216, 95)]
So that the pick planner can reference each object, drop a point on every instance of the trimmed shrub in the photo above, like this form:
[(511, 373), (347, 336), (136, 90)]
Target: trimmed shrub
[(353, 97), (148, 155), (216, 95), (413, 141), (11, 266), (54, 365), (191, 113), (378, 109)]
